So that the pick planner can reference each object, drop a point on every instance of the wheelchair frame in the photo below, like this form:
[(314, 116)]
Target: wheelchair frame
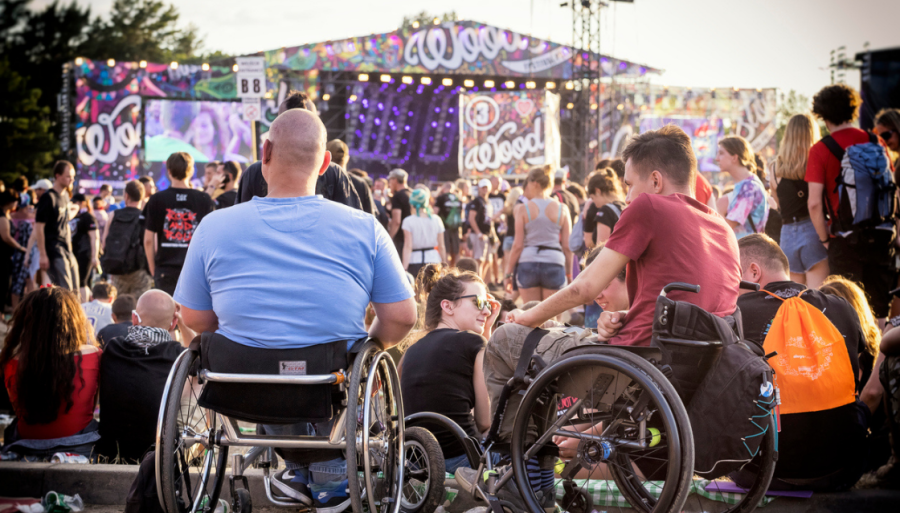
[(228, 434)]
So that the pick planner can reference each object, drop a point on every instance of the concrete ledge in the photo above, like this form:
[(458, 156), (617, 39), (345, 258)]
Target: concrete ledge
[(108, 485)]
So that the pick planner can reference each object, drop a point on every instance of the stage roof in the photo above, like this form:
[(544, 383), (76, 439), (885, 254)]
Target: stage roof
[(451, 48)]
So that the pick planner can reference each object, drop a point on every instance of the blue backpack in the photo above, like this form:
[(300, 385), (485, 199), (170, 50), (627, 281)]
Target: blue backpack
[(865, 187)]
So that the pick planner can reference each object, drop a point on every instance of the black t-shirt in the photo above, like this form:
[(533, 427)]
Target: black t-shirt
[(483, 213), (132, 380), (226, 199), (111, 331), (438, 377), (53, 211), (334, 185), (807, 440), (569, 200), (400, 200), (174, 214), (79, 227), (607, 215), (450, 209), (366, 200)]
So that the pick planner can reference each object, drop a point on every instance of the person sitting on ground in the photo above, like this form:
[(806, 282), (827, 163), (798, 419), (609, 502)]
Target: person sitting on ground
[(335, 260), (805, 458), (121, 317), (468, 264), (442, 372), (423, 234), (539, 260), (133, 374), (50, 368), (99, 310), (657, 238)]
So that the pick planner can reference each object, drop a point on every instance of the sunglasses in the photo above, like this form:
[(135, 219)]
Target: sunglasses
[(481, 302), (887, 134)]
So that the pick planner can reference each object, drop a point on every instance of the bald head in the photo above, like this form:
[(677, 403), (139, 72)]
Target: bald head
[(156, 309), (295, 150)]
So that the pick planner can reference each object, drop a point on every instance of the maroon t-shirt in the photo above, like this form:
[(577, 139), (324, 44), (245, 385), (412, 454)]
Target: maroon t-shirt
[(668, 239)]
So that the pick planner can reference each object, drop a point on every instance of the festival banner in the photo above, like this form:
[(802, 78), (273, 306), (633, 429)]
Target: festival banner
[(507, 132)]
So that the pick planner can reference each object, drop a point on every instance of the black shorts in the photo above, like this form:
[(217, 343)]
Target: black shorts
[(85, 271), (451, 241), (867, 259)]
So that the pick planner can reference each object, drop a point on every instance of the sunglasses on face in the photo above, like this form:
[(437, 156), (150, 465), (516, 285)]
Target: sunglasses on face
[(481, 302), (887, 134)]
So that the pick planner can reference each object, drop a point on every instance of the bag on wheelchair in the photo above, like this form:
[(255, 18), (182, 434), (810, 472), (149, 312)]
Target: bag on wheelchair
[(725, 383)]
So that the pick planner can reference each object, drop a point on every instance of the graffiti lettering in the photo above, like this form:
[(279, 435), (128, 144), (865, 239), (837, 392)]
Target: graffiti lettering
[(428, 47), (91, 140), (495, 152)]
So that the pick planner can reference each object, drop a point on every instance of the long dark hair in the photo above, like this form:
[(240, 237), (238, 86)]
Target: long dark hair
[(448, 283), (47, 330)]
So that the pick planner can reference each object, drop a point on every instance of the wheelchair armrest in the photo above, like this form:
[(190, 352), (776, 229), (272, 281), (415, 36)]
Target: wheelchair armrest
[(425, 418), (690, 343)]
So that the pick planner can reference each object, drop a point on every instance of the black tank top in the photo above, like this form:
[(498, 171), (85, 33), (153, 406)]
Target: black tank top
[(792, 196)]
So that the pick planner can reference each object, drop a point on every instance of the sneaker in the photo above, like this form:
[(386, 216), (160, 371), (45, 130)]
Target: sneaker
[(333, 501), (466, 477), (284, 487)]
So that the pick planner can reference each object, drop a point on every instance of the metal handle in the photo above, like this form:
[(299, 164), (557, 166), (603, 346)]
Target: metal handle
[(686, 287), (749, 285), (318, 379)]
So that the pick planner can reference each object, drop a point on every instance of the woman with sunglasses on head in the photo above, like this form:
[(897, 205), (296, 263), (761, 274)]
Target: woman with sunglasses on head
[(442, 372)]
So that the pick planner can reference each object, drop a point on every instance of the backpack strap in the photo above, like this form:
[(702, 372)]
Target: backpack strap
[(833, 147), (873, 138), (528, 347)]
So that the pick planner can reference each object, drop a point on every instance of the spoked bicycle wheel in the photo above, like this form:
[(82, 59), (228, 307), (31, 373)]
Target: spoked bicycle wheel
[(190, 467), (612, 420), (375, 433), (423, 487)]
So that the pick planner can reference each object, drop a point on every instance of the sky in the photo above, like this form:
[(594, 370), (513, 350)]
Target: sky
[(700, 43)]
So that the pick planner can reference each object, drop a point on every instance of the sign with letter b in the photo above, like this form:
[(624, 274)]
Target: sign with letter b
[(251, 77)]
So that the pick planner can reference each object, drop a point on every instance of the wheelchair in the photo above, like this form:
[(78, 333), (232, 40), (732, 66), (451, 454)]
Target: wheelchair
[(354, 394), (620, 413)]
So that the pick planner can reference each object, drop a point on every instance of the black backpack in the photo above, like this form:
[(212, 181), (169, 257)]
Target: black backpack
[(124, 251), (728, 390)]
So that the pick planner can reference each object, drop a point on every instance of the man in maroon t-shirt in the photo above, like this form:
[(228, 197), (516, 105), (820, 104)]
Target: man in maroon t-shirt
[(866, 257), (664, 236)]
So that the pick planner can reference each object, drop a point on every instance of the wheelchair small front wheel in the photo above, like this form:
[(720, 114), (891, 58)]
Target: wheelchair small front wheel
[(374, 432), (190, 466), (423, 486)]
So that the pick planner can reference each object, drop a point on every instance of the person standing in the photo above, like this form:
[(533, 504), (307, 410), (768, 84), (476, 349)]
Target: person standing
[(481, 224), (123, 245), (887, 126), (865, 256), (24, 264), (449, 209), (85, 243), (172, 217), (51, 225), (544, 263), (400, 208), (9, 245), (605, 208), (422, 233), (748, 209), (807, 256), (228, 175)]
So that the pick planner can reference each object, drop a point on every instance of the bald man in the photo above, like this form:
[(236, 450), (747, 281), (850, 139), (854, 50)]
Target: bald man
[(301, 273), (133, 374)]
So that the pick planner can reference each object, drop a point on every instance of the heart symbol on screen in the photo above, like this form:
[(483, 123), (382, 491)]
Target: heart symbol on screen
[(524, 106)]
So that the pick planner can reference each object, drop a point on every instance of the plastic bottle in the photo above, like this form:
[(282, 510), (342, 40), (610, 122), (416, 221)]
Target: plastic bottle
[(55, 502)]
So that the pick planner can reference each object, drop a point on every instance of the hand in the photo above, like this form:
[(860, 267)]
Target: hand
[(609, 324), (508, 284), (44, 262), (94, 263), (568, 446), (519, 317), (216, 180)]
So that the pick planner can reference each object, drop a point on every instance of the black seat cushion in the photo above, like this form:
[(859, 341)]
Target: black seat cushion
[(266, 403)]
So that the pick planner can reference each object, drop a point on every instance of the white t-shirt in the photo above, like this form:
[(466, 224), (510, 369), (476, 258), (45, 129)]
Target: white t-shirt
[(99, 314), (425, 232)]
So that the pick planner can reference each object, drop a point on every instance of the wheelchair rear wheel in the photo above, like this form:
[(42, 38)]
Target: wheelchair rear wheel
[(423, 487), (616, 418), (375, 433), (190, 467)]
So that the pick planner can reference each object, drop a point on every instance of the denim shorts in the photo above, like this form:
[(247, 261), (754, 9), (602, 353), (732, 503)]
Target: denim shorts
[(508, 243), (538, 274), (801, 244)]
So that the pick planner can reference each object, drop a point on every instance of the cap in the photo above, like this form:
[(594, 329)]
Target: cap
[(504, 185), (43, 183), (484, 182), (399, 174), (562, 172)]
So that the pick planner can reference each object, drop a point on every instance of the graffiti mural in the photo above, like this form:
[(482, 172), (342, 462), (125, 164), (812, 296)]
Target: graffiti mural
[(461, 47), (507, 132)]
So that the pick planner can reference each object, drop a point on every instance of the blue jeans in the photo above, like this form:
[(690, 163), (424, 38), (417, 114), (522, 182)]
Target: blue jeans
[(451, 464), (319, 472)]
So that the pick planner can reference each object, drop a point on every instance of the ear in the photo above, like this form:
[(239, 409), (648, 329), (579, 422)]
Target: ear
[(267, 151), (325, 163), (656, 182), (134, 320), (447, 306), (174, 323), (754, 273)]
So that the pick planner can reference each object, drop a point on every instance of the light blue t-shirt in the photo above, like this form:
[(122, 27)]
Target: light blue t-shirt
[(290, 272)]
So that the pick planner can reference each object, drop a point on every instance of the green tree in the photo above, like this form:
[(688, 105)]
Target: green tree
[(141, 30), (27, 144), (425, 19)]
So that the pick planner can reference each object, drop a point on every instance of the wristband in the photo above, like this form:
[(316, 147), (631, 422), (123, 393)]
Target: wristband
[(826, 241)]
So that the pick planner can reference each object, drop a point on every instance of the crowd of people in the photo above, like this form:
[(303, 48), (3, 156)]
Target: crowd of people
[(105, 294)]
